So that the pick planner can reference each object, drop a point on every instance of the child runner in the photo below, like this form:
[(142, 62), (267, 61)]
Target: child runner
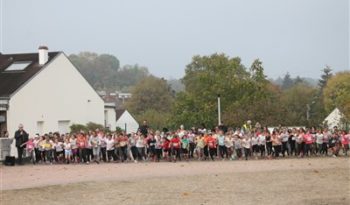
[(185, 145), (30, 149), (95, 146), (212, 146), (246, 144), (319, 142), (110, 148), (67, 150), (262, 144), (175, 145), (345, 142), (200, 144)]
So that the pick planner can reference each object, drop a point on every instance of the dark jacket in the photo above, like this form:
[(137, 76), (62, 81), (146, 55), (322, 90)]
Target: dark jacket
[(21, 137)]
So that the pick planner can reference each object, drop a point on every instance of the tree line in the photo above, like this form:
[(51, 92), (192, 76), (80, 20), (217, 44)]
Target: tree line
[(246, 93)]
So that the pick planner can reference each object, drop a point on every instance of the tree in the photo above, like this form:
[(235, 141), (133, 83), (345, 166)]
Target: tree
[(257, 71), (287, 82), (336, 93), (295, 102), (244, 95), (151, 97), (103, 71), (327, 74)]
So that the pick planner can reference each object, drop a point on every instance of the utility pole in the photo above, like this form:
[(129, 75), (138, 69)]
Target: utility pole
[(219, 110)]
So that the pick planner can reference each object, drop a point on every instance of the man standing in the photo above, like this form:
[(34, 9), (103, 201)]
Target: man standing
[(144, 128), (21, 137)]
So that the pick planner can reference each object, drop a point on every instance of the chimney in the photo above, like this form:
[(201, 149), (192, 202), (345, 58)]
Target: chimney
[(43, 55)]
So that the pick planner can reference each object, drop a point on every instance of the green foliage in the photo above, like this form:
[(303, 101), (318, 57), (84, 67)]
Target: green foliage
[(156, 120), (94, 126), (152, 99), (76, 128), (241, 92), (151, 93), (294, 102), (337, 93)]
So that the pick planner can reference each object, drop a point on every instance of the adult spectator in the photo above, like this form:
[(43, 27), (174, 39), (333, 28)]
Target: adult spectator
[(21, 137)]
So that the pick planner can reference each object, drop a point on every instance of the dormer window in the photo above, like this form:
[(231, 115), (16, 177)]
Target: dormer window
[(18, 66)]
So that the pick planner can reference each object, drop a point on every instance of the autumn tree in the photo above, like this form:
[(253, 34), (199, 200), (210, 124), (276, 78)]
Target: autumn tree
[(337, 93)]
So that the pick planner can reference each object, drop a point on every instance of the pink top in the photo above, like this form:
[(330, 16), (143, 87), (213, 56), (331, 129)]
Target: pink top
[(308, 138), (30, 145), (345, 139)]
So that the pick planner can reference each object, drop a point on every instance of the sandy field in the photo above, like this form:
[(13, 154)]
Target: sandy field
[(314, 181)]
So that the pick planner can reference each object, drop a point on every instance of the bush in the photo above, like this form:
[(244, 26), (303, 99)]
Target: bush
[(93, 126), (75, 128)]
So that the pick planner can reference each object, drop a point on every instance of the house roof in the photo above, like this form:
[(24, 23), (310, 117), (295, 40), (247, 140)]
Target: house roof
[(10, 81), (119, 113)]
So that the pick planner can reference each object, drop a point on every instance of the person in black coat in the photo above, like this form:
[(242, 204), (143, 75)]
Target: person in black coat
[(21, 137), (144, 128)]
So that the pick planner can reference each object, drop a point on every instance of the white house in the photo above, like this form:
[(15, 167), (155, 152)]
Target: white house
[(126, 121), (45, 92), (335, 119)]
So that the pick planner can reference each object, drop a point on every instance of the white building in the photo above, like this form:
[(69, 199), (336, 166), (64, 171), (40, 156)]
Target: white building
[(46, 93), (126, 121), (335, 119)]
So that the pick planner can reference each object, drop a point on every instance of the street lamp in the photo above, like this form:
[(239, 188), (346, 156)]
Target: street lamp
[(219, 110)]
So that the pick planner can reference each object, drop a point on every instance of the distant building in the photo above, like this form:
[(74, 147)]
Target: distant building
[(126, 121), (45, 92), (110, 116)]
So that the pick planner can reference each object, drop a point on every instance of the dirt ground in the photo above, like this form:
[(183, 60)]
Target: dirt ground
[(314, 181)]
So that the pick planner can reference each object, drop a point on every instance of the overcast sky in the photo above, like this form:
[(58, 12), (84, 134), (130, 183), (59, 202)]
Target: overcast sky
[(295, 36)]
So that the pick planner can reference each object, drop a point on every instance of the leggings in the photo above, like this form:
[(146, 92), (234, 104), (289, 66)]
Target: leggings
[(212, 152), (141, 153), (82, 155), (277, 149), (111, 155), (246, 153), (123, 153), (239, 153), (307, 149), (269, 148), (324, 149), (192, 147), (206, 154), (158, 153), (223, 151), (284, 148), (176, 153), (103, 153), (262, 150)]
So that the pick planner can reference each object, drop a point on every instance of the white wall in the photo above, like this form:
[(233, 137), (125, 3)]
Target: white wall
[(110, 118), (130, 122), (57, 93)]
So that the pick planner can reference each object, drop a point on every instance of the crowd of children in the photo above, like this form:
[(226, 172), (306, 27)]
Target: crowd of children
[(194, 144)]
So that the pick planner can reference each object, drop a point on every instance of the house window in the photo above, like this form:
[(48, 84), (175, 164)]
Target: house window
[(63, 126), (40, 127), (18, 66)]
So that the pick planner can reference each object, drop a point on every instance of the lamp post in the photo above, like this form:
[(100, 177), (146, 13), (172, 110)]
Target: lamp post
[(219, 110)]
